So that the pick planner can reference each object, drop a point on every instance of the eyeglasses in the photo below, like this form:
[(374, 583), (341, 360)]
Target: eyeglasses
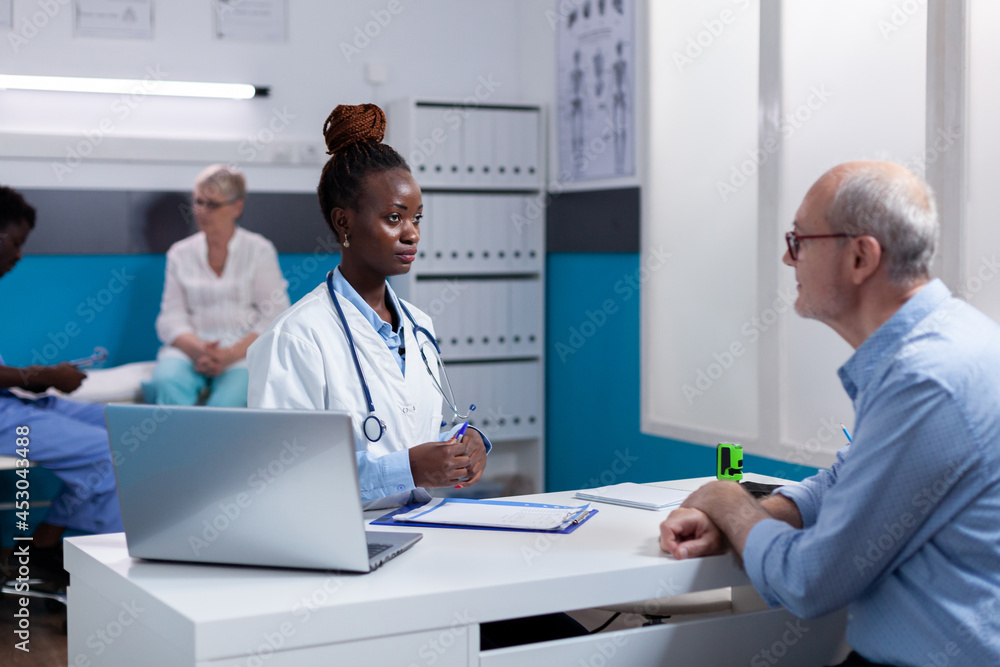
[(794, 241), (211, 205)]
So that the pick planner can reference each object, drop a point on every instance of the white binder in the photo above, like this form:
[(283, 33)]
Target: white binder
[(436, 140), (525, 317), (528, 143), (472, 141), (527, 377), (447, 242), (425, 249), (424, 153), (533, 236), (502, 319), (504, 128), (492, 230), (471, 224), (456, 145), (515, 215), (488, 330)]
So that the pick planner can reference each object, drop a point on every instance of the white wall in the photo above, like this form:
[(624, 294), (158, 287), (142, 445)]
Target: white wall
[(440, 49), (859, 90), (982, 248), (726, 357), (703, 124)]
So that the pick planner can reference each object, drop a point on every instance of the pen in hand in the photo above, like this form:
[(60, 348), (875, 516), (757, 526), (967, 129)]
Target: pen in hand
[(458, 438), (844, 429)]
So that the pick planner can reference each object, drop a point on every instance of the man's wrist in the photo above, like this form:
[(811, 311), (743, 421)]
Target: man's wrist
[(783, 508), (735, 512)]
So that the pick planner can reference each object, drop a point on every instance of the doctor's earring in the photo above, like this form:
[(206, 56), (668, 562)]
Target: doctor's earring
[(347, 242)]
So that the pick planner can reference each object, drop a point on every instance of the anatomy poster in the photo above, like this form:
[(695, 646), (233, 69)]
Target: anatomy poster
[(596, 73)]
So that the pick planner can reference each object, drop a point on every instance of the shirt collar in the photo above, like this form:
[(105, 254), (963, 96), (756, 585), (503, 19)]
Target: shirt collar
[(383, 328), (859, 370)]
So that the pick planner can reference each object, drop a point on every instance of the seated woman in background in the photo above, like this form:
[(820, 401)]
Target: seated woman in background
[(223, 287)]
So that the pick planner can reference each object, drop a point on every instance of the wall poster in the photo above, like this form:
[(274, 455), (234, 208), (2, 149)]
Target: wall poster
[(596, 92)]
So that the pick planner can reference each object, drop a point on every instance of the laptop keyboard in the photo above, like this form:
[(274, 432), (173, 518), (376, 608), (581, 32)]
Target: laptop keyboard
[(376, 549)]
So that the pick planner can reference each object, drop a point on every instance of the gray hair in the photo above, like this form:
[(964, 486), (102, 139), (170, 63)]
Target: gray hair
[(895, 207), (226, 181)]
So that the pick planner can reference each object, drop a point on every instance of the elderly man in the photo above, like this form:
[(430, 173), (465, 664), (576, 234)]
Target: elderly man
[(905, 527)]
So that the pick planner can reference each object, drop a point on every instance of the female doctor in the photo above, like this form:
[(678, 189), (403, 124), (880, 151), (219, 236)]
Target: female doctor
[(321, 354)]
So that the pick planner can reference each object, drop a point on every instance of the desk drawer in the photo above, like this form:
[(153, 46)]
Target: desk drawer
[(445, 647), (757, 638)]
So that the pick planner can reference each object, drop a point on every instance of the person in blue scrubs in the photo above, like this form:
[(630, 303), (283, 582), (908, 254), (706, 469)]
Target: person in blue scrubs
[(67, 437), (902, 529)]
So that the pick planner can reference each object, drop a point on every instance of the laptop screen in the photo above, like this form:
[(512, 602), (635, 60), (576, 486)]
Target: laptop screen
[(238, 486)]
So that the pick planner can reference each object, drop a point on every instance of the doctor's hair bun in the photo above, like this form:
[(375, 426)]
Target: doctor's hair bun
[(353, 124), (354, 142)]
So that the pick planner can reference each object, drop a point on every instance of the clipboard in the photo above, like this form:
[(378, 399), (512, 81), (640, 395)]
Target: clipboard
[(387, 519)]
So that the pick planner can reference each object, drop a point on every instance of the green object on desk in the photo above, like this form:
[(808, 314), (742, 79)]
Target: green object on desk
[(729, 461)]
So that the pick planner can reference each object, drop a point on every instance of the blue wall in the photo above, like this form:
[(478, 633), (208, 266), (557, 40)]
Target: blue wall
[(56, 308), (59, 307), (592, 364)]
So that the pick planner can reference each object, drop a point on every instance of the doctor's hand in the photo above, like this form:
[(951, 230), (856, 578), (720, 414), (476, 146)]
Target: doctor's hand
[(476, 450), (438, 464), (690, 533)]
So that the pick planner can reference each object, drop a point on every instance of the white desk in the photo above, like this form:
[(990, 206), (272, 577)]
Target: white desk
[(424, 607)]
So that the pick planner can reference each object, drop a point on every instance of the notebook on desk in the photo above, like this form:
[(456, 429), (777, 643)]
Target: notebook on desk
[(239, 486)]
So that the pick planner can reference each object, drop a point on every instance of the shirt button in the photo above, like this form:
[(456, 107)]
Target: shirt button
[(400, 487)]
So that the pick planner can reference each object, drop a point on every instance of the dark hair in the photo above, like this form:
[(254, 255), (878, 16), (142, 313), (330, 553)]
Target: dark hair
[(354, 143), (13, 208)]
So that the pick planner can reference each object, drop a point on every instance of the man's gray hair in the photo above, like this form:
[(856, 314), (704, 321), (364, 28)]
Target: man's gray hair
[(898, 209)]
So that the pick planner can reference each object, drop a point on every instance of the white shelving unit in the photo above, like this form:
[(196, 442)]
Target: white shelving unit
[(480, 269)]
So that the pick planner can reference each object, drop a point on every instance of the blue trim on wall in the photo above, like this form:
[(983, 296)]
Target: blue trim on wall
[(59, 307), (593, 433)]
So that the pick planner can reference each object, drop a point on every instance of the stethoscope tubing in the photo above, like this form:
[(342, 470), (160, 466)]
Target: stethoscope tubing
[(372, 418)]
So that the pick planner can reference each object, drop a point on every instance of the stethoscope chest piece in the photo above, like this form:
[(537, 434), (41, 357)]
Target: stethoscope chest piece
[(374, 428)]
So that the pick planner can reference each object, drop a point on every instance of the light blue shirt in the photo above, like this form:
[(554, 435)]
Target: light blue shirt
[(393, 340), (905, 527), (389, 474)]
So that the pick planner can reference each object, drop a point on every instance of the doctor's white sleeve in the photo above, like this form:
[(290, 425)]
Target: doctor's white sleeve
[(285, 372)]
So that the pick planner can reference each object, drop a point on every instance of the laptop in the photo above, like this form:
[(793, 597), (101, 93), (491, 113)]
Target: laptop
[(239, 486)]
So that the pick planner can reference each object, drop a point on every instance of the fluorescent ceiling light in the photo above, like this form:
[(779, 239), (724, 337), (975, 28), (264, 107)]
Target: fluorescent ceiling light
[(150, 86)]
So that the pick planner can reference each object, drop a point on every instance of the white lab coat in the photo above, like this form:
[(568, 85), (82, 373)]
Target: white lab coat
[(303, 361)]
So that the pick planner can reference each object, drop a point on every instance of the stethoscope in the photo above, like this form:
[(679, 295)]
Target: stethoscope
[(373, 427)]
